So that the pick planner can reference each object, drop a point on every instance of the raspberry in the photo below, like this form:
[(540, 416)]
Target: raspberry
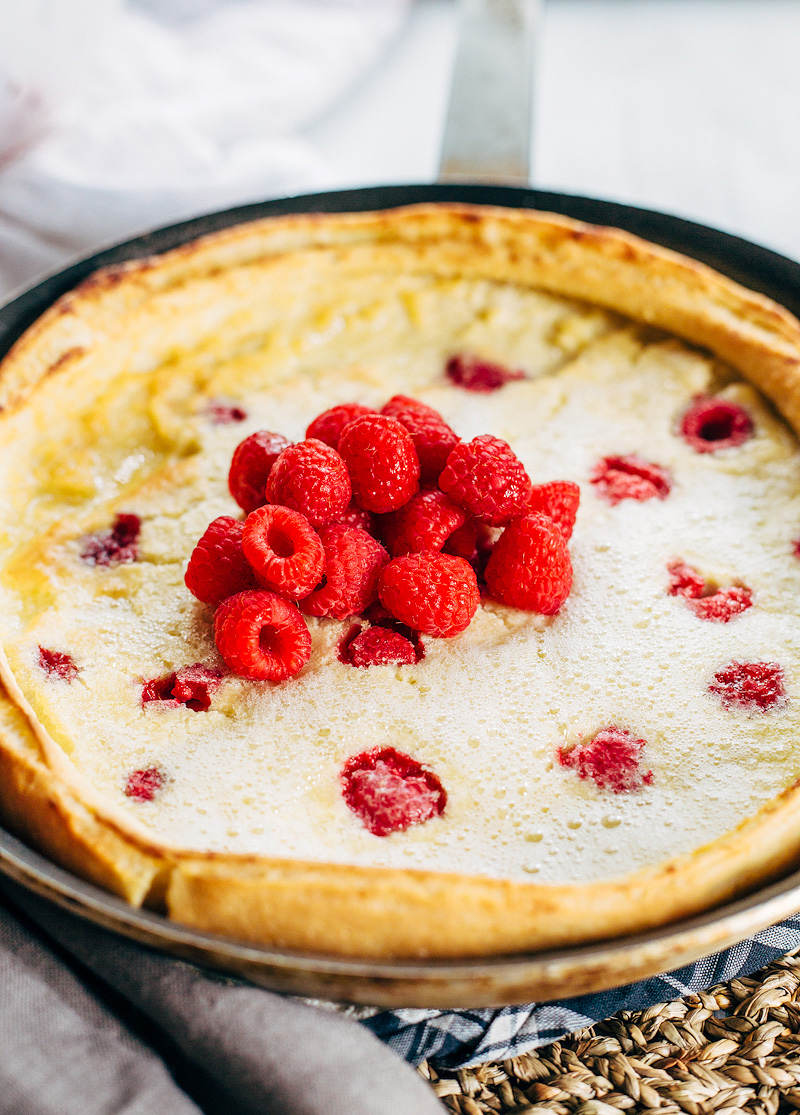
[(284, 550), (382, 462), (474, 542), (685, 581), (355, 516), (389, 791), (378, 616), (58, 664), (160, 689), (343, 652), (424, 523), (433, 439), (328, 426), (750, 685), (474, 374), (463, 542), (611, 760), (143, 785), (378, 646), (618, 478), (530, 566), (434, 593), (711, 424), (311, 478), (194, 685), (722, 605), (261, 636), (352, 565), (486, 477), (191, 686), (117, 546), (220, 413), (217, 567), (719, 605), (251, 465), (558, 500)]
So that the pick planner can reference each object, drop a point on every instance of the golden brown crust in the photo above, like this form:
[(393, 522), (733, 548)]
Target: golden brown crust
[(380, 912), (38, 806), (606, 266), (357, 911)]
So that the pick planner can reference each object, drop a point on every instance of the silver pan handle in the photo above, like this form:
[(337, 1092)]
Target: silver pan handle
[(488, 129)]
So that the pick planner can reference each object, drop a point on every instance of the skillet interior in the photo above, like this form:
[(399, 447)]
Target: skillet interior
[(425, 983)]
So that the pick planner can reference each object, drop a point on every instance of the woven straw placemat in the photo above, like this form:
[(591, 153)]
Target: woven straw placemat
[(733, 1048)]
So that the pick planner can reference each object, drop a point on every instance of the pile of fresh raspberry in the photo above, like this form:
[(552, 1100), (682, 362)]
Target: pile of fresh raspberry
[(385, 516)]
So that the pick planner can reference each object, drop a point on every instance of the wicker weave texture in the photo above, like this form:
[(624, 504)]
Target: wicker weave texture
[(733, 1048)]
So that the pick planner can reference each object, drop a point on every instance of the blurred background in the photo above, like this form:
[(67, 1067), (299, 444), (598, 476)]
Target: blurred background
[(118, 116)]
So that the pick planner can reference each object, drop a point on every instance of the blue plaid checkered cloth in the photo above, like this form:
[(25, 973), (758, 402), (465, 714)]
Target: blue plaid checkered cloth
[(461, 1038)]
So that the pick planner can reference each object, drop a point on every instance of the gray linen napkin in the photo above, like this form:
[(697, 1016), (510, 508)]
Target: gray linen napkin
[(65, 1051)]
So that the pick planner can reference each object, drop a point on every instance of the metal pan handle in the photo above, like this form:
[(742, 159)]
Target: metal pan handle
[(487, 135)]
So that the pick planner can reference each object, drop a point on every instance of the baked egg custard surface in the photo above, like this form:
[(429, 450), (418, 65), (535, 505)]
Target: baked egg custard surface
[(152, 384)]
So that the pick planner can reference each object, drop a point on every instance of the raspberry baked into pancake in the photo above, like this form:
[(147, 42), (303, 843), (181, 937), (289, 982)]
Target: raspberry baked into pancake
[(413, 583)]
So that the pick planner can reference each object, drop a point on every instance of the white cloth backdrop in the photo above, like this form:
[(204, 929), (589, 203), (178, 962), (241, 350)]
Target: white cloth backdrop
[(115, 118)]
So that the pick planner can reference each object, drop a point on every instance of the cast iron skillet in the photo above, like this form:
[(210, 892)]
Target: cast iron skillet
[(441, 983)]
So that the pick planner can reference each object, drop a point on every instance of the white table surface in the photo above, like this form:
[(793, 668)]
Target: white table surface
[(687, 106)]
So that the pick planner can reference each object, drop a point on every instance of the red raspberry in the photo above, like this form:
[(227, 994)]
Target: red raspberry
[(474, 374), (382, 462), (434, 593), (328, 426), (685, 581), (191, 686), (433, 439), (378, 616), (220, 413), (424, 523), (352, 564), (251, 465), (711, 424), (722, 605), (143, 785), (311, 478), (611, 760), (160, 689), (58, 664), (530, 566), (750, 685), (474, 542), (284, 550), (718, 606), (343, 651), (217, 567), (378, 646), (558, 500), (195, 684), (355, 516), (261, 636), (463, 542), (618, 478), (486, 477), (390, 791), (117, 546)]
